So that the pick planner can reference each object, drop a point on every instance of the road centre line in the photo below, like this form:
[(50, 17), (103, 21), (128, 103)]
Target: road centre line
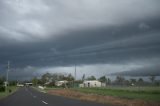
[(45, 102)]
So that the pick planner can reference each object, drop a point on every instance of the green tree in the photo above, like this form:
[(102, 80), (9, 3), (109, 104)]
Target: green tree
[(133, 81), (2, 88), (12, 83), (2, 79), (152, 78), (140, 80), (103, 79), (34, 80), (46, 77), (69, 77), (108, 81), (91, 78), (120, 79)]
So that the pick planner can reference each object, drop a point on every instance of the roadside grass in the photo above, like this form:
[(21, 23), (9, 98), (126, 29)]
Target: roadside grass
[(6, 93), (145, 93)]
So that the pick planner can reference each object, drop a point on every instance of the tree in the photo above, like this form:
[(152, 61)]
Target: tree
[(103, 79), (140, 80), (120, 79), (55, 77), (2, 79), (108, 81), (46, 77), (69, 78), (34, 80), (133, 81), (2, 88), (152, 78), (91, 78), (12, 83)]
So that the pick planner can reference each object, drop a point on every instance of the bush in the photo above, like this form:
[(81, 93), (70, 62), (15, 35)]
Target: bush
[(10, 90), (2, 88)]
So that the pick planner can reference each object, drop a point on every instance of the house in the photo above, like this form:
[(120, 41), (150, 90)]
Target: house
[(81, 85), (19, 85), (60, 83), (28, 84), (91, 83)]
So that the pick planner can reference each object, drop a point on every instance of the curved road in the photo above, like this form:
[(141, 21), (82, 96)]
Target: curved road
[(30, 97)]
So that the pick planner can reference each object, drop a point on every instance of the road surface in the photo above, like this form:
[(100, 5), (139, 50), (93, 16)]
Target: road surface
[(30, 97)]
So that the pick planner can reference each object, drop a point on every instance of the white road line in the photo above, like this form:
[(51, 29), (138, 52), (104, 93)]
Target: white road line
[(45, 102)]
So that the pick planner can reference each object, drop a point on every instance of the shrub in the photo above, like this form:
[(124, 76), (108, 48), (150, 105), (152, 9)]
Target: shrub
[(2, 88)]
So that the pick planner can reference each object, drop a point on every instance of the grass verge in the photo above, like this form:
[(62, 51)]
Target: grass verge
[(125, 96), (6, 93), (145, 93)]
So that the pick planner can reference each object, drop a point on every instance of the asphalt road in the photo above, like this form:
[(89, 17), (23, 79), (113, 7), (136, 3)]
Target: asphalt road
[(30, 97)]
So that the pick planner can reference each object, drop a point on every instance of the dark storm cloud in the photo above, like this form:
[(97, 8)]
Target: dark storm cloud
[(91, 46), (56, 33)]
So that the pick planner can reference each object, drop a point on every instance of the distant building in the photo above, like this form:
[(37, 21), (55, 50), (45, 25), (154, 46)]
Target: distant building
[(28, 84), (91, 83), (60, 83), (19, 85)]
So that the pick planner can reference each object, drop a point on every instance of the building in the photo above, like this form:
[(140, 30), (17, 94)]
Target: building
[(19, 85), (60, 83), (91, 83), (28, 84)]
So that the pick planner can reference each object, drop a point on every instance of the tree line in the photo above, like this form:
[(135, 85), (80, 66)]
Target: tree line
[(49, 79)]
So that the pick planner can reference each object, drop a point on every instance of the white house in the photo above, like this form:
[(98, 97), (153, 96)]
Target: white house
[(28, 84), (19, 85), (60, 83), (91, 83)]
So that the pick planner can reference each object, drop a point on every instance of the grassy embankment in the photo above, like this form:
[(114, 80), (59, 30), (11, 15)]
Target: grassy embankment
[(145, 93), (6, 93)]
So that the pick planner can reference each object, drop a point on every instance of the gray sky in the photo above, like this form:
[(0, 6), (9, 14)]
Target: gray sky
[(100, 36)]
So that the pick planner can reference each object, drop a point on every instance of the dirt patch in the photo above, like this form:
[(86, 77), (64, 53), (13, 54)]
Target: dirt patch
[(102, 99)]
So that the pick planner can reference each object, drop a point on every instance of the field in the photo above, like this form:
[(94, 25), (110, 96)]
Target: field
[(123, 96), (4, 94), (146, 93)]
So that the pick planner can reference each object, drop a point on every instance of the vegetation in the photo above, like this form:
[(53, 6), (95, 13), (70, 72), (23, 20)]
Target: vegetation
[(10, 90), (91, 78), (49, 80), (103, 79), (146, 93), (152, 78), (2, 88)]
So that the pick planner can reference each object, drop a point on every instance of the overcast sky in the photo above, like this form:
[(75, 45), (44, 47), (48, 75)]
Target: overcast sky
[(99, 36)]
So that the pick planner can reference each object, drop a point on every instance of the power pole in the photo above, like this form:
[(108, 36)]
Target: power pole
[(75, 76), (75, 72), (8, 68)]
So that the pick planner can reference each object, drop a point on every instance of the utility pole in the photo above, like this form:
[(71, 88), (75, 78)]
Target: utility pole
[(8, 68), (75, 72), (75, 76)]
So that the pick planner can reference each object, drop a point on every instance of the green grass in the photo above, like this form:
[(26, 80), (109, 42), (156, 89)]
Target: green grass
[(6, 93), (145, 93)]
